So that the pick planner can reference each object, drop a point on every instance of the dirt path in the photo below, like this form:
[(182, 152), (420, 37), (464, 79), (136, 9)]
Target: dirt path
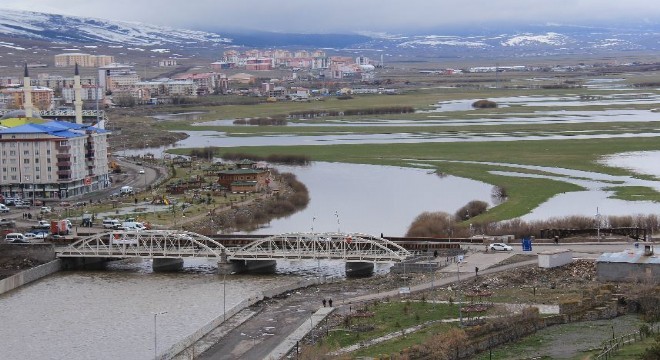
[(567, 341)]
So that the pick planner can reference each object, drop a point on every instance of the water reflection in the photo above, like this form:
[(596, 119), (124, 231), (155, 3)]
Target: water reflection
[(109, 314), (373, 199), (220, 139), (641, 162)]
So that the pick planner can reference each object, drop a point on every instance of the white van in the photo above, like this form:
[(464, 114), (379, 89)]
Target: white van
[(4, 208), (16, 238), (126, 190), (132, 226), (111, 224)]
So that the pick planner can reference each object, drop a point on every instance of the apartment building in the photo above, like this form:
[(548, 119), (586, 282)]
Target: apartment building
[(115, 76), (206, 83), (88, 93), (167, 63), (14, 98), (53, 160), (59, 82), (83, 60)]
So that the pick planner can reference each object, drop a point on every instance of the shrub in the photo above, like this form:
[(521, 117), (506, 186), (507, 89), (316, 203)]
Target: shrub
[(431, 224), (484, 104), (471, 209)]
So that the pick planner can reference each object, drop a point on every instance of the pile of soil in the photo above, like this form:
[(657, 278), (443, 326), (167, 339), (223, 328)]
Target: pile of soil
[(579, 272), (10, 266)]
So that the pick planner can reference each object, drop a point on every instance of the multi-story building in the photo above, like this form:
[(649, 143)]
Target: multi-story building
[(59, 82), (84, 60), (259, 64), (206, 82), (53, 160), (115, 76), (88, 93), (167, 62), (42, 97)]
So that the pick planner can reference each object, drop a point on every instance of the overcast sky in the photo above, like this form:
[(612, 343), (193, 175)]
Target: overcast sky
[(313, 16)]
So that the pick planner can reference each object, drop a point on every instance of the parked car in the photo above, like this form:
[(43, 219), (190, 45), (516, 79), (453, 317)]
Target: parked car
[(500, 247), (15, 238), (7, 223), (141, 171), (42, 224), (4, 208), (46, 210), (21, 204)]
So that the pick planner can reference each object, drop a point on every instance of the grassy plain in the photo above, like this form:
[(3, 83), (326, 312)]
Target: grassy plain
[(470, 159)]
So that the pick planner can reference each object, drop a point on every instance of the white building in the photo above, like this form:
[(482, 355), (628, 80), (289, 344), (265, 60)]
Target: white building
[(53, 160)]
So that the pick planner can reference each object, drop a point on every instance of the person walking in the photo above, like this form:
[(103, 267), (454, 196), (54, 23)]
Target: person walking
[(330, 302), (476, 271), (323, 302)]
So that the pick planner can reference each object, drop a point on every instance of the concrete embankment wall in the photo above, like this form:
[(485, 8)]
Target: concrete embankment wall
[(30, 275), (194, 337)]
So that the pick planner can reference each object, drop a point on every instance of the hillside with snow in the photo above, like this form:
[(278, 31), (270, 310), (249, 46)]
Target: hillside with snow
[(71, 29), (69, 33)]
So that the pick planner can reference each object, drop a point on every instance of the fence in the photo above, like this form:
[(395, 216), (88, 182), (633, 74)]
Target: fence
[(611, 346)]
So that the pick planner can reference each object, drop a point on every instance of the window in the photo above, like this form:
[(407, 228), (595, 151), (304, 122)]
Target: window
[(48, 160), (26, 161), (50, 169), (13, 177), (64, 143), (26, 152), (36, 160), (48, 152), (12, 153), (37, 169), (12, 169)]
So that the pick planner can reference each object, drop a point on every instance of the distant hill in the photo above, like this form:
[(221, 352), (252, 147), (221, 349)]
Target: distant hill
[(24, 34)]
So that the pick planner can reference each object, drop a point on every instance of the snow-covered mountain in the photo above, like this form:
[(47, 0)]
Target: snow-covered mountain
[(79, 30), (17, 27)]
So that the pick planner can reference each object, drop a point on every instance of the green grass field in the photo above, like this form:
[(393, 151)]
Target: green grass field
[(461, 158)]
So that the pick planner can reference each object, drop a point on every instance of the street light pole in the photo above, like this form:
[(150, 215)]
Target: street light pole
[(460, 297), (156, 333), (224, 298)]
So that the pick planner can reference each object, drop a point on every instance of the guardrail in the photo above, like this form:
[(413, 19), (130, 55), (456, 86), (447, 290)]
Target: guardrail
[(613, 345)]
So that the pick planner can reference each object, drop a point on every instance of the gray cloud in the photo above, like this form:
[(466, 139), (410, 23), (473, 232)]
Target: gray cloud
[(348, 16)]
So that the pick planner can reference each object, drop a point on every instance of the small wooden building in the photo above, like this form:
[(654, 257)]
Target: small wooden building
[(244, 180)]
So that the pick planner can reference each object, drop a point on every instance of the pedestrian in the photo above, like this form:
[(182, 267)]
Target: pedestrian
[(476, 271), (330, 302), (435, 253), (556, 240), (323, 302)]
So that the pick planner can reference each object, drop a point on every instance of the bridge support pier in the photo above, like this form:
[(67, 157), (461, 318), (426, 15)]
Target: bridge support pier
[(359, 269), (252, 266), (167, 265)]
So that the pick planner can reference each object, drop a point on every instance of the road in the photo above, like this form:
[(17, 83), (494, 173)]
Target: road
[(130, 176), (273, 320)]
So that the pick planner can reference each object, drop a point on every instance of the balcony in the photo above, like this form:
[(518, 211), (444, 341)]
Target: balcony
[(63, 148), (66, 173), (64, 164), (63, 156)]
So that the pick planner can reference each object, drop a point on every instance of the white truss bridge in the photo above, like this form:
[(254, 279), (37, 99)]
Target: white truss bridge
[(173, 244)]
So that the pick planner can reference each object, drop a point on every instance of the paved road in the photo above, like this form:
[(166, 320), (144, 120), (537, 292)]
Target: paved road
[(276, 320)]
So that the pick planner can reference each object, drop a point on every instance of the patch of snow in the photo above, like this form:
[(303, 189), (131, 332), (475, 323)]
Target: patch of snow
[(550, 38)]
